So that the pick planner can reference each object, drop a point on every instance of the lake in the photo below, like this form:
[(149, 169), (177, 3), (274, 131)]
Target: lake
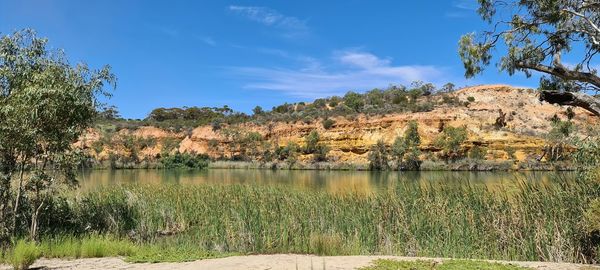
[(331, 181)]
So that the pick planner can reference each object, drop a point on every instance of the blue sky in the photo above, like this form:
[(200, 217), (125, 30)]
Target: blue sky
[(247, 53)]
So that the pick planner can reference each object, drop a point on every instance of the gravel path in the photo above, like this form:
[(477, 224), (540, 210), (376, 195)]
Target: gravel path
[(262, 262)]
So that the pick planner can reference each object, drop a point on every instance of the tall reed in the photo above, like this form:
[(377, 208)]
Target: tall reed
[(531, 222)]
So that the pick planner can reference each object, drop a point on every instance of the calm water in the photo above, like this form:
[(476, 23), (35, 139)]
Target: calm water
[(331, 181)]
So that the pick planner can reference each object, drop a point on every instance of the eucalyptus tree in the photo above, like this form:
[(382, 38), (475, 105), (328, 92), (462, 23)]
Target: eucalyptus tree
[(536, 35), (45, 105), (378, 156), (405, 149)]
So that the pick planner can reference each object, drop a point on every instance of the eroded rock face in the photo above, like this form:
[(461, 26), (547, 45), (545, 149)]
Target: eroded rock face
[(526, 121)]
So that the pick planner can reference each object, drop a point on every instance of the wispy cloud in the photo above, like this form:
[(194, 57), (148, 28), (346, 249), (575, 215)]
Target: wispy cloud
[(290, 26), (462, 8), (171, 32), (355, 70), (308, 63), (465, 4), (207, 40)]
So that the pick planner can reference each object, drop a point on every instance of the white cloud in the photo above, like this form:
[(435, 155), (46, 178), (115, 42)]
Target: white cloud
[(356, 71), (291, 26), (465, 4), (208, 41), (171, 32), (361, 59), (462, 8)]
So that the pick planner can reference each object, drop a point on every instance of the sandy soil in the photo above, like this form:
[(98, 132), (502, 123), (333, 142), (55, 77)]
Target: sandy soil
[(261, 262)]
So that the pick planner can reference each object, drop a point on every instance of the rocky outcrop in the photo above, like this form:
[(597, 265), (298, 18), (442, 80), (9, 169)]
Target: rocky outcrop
[(525, 122)]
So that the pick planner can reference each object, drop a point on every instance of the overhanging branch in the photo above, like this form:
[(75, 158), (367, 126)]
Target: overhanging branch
[(563, 73), (582, 100)]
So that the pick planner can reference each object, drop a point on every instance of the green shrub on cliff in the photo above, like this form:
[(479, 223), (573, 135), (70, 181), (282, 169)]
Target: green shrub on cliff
[(184, 161)]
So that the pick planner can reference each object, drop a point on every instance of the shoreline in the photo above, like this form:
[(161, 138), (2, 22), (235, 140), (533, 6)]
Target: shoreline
[(459, 166), (274, 261)]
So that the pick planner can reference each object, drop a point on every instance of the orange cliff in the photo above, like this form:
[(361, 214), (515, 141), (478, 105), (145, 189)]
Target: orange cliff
[(349, 139)]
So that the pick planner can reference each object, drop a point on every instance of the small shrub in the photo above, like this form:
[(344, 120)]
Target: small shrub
[(24, 255), (328, 123), (422, 107), (570, 113), (312, 140), (471, 99), (450, 141), (98, 147), (288, 153), (477, 153), (450, 100), (321, 153), (510, 151), (333, 103), (169, 144)]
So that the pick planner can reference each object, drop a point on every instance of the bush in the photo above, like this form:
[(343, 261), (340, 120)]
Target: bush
[(334, 101), (477, 153), (560, 129), (184, 161), (510, 151), (471, 99), (312, 140), (405, 150), (288, 153), (378, 156), (449, 141), (24, 255), (328, 123), (422, 107), (321, 153), (354, 101), (450, 100)]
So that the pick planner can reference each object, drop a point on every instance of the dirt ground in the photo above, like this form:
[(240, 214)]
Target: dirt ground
[(262, 262)]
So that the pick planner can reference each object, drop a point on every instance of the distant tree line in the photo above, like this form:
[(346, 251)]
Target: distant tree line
[(418, 97)]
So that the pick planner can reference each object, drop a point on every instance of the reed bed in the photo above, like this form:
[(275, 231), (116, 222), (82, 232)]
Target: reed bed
[(531, 222)]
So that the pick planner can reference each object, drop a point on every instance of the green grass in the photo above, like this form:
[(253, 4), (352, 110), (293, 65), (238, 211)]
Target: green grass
[(23, 255), (177, 223), (95, 246), (446, 265), (92, 246)]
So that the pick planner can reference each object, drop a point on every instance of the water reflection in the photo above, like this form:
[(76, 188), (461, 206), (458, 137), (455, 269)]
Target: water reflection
[(331, 181)]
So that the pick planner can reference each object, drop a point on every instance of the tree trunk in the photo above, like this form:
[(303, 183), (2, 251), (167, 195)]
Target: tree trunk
[(17, 200), (4, 208), (585, 101), (34, 222)]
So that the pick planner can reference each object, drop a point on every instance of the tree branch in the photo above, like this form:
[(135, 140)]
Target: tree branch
[(563, 73), (585, 18), (585, 101)]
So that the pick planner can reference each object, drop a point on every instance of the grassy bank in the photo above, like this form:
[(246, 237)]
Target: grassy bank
[(534, 222), (97, 246)]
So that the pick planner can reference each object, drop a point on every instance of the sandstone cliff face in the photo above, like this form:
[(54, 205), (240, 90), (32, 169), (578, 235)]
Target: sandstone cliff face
[(349, 139)]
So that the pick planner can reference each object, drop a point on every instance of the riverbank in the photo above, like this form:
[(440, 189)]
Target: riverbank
[(277, 261), (427, 165)]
